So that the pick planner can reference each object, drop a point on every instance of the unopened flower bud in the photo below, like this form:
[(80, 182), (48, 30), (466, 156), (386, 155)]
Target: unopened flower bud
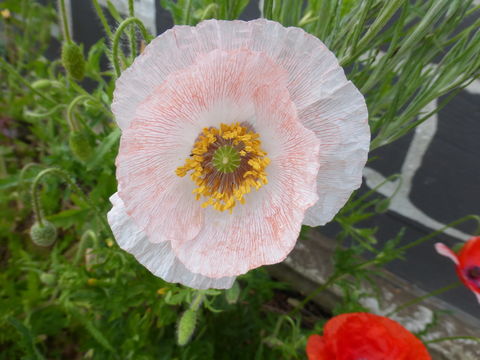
[(162, 291), (41, 84), (80, 145), (232, 294), (48, 279), (186, 327), (43, 234), (6, 14), (73, 60)]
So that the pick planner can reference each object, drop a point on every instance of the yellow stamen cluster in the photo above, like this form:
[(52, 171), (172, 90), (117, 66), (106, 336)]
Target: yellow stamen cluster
[(225, 182)]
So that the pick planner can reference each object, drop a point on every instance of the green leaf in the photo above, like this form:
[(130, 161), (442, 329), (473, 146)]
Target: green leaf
[(106, 145), (233, 293), (28, 339), (67, 218), (48, 320), (91, 328), (8, 182), (94, 55)]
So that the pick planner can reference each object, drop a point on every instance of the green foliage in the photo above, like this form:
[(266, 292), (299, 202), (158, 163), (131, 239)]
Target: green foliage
[(191, 12), (83, 297), (388, 48)]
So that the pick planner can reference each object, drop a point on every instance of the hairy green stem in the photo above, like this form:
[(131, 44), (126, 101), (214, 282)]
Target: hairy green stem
[(197, 301), (116, 39), (187, 12), (83, 245), (132, 35), (439, 231), (64, 175), (3, 166), (337, 276), (72, 122), (450, 338), (37, 210), (330, 281), (9, 68), (48, 113), (23, 172), (102, 18), (64, 20), (426, 296)]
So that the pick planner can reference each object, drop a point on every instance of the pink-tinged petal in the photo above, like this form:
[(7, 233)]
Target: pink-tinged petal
[(182, 83), (477, 295), (442, 249), (265, 228), (340, 122), (157, 258), (326, 102), (313, 70), (151, 149), (219, 87)]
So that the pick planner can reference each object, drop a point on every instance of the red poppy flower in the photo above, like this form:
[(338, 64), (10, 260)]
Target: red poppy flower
[(467, 261), (363, 336)]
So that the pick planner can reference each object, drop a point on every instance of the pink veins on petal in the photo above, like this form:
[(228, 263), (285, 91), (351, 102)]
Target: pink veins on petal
[(296, 141)]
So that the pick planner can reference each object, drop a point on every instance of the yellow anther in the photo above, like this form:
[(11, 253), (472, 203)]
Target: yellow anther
[(224, 188)]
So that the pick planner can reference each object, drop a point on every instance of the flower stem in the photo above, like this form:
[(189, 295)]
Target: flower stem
[(132, 35), (116, 39), (3, 166), (337, 276), (88, 235), (426, 296), (72, 122), (21, 177), (9, 68), (46, 114), (330, 281), (186, 13), (64, 20), (197, 301), (64, 175), (37, 210), (102, 18), (439, 231), (449, 338)]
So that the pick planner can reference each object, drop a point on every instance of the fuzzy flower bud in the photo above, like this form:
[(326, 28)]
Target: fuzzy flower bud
[(80, 145), (73, 60), (232, 294), (186, 327), (43, 234), (48, 279)]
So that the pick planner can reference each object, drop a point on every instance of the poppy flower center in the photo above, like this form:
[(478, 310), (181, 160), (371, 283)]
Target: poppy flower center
[(473, 273), (226, 159), (226, 163)]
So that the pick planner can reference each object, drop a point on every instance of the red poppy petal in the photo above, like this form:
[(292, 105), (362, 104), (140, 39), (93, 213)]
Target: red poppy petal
[(350, 336), (470, 253), (469, 257), (417, 350), (316, 349), (443, 250)]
